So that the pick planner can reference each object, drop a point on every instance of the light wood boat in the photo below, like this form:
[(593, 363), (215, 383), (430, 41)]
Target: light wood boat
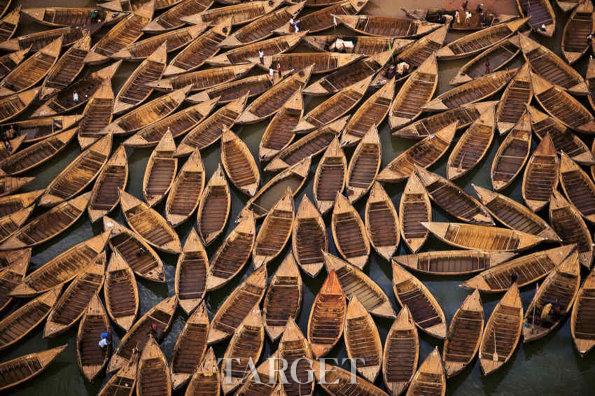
[(329, 179), (309, 238), (9, 61), (355, 283), (239, 164), (105, 194), (325, 323), (512, 154), (528, 269), (283, 300), (323, 19), (240, 302), (91, 358), (413, 294), (516, 96), (210, 129), (430, 377), (472, 146), (22, 321), (214, 207), (73, 302), (540, 179), (274, 232), (191, 274), (206, 379), (464, 115), (542, 18), (121, 292), (9, 23), (414, 209), (295, 349), (96, 115), (124, 33), (16, 202), (279, 133), (341, 382), (578, 187), (62, 268), (374, 25), (560, 288), (23, 368), (38, 40), (38, 129), (72, 16), (324, 62), (364, 45), (579, 26), (566, 220), (13, 105), (580, 321), (370, 114), (382, 222), (153, 372), (136, 89), (349, 233), (42, 228), (170, 19), (160, 171), (13, 270), (453, 262), (236, 14), (124, 380), (424, 154), (149, 224), (202, 79), (502, 332), (11, 147), (160, 315), (401, 353), (233, 254), (9, 185), (186, 191), (190, 348), (453, 199), (476, 42), (471, 92), (567, 5)]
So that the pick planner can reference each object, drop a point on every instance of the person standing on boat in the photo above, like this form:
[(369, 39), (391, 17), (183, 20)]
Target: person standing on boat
[(261, 56), (488, 67), (104, 340)]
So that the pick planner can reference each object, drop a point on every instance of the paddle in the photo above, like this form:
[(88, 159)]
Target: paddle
[(495, 355)]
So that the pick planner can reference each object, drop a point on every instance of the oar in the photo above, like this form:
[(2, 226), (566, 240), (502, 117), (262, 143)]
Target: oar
[(495, 355)]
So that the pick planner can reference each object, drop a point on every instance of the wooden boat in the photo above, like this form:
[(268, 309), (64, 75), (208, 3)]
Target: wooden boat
[(563, 140), (578, 187), (413, 294), (62, 268), (295, 349), (214, 207), (149, 224), (85, 87), (43, 227), (11, 147), (78, 174), (349, 233), (198, 51), (464, 115), (283, 299), (72, 16), (16, 202), (124, 381), (293, 178), (206, 379), (569, 225), (471, 92), (38, 40), (309, 238), (453, 262), (528, 269), (329, 179), (237, 14), (453, 199), (233, 90), (364, 45), (135, 89), (424, 154), (13, 105), (240, 302), (244, 348), (9, 23), (472, 146), (311, 145), (561, 288), (38, 129), (9, 185), (191, 346), (355, 283), (121, 292), (262, 381), (341, 382), (540, 14), (160, 171), (263, 27), (549, 66), (210, 129), (9, 61), (274, 232), (580, 323), (191, 273), (66, 69), (159, 316), (105, 194), (73, 302), (430, 377), (233, 254), (567, 5), (362, 340), (497, 56), (370, 114), (323, 19), (13, 270), (96, 115), (375, 25), (512, 154), (124, 33), (414, 209), (401, 353), (579, 26), (516, 96), (476, 42), (91, 358), (23, 368), (186, 191), (540, 179), (382, 222), (202, 79), (239, 165), (170, 19), (153, 372), (279, 133), (325, 323), (324, 62), (22, 321), (502, 332), (560, 105), (147, 114)]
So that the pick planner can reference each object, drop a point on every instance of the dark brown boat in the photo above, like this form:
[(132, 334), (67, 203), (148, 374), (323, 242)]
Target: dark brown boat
[(121, 292), (376, 25), (329, 179), (323, 19), (382, 222), (430, 377), (338, 381), (153, 372), (309, 238), (541, 175), (206, 379), (279, 133), (170, 19), (249, 86), (453, 262), (90, 357), (324, 62), (581, 325), (160, 171), (123, 382), (96, 115), (239, 164), (542, 18), (23, 368), (414, 209), (37, 129), (274, 232), (38, 40), (106, 190), (202, 79), (578, 187), (186, 191), (579, 26), (236, 14), (9, 24), (10, 61), (295, 349), (72, 16), (401, 353), (191, 273), (512, 154), (14, 268), (13, 105), (514, 99), (214, 207), (11, 146), (349, 233)]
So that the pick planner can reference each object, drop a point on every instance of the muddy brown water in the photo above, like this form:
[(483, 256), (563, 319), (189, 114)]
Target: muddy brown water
[(548, 366)]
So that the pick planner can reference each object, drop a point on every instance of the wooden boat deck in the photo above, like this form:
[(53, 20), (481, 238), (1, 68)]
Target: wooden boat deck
[(91, 357), (190, 348), (512, 154), (279, 133), (541, 175), (349, 233), (214, 207), (581, 323), (309, 238), (274, 232), (121, 292), (401, 353), (171, 18)]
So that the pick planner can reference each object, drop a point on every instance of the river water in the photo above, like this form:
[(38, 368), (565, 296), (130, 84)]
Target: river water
[(548, 366)]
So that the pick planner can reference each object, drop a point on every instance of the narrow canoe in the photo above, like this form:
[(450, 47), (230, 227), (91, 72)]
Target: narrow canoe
[(430, 377), (237, 14), (414, 209), (9, 23), (309, 238), (206, 379), (453, 262), (12, 224), (274, 232), (413, 294), (364, 45), (190, 348), (91, 358), (578, 187), (13, 203), (73, 16), (186, 190), (105, 194), (324, 62), (37, 129), (512, 154), (26, 367), (349, 233), (160, 171), (375, 25), (581, 325), (96, 115), (329, 179), (238, 162), (401, 353), (279, 132), (191, 273), (382, 222), (338, 381), (295, 349), (10, 61), (126, 375), (9, 185), (540, 178), (38, 40), (214, 207), (121, 292), (502, 332), (170, 19), (579, 26), (516, 96), (542, 18), (13, 105), (14, 268), (153, 372)]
